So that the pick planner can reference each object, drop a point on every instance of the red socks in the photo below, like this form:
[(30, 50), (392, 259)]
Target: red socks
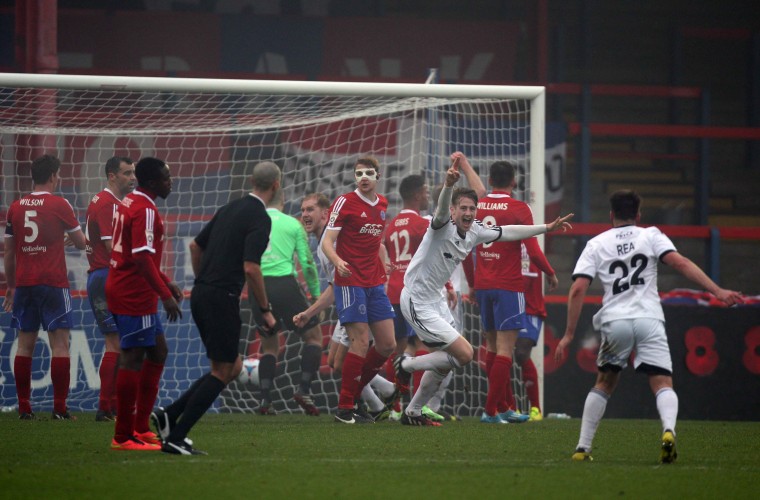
[(498, 377), (150, 376), (60, 372), (490, 356), (530, 379), (22, 372), (127, 382), (349, 383), (108, 367), (509, 397), (372, 364)]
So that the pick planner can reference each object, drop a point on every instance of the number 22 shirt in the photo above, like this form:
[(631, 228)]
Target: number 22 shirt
[(625, 259)]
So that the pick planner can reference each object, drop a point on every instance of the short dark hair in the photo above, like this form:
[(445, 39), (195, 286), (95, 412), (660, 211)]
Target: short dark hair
[(148, 169), (502, 173), (463, 193), (322, 200), (625, 204), (44, 167), (368, 161), (410, 186), (114, 162)]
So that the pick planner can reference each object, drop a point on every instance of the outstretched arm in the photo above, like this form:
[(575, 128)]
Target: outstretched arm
[(520, 232), (691, 271)]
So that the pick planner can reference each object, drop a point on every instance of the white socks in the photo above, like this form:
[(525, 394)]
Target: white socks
[(430, 383), (438, 360), (667, 406), (382, 385), (593, 411)]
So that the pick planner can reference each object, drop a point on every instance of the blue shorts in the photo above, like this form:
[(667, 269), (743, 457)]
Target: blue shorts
[(96, 293), (501, 310), (356, 304), (532, 328), (138, 331), (41, 305), (401, 326)]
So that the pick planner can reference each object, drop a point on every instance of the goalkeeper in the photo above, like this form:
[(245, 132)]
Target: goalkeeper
[(225, 255), (288, 239)]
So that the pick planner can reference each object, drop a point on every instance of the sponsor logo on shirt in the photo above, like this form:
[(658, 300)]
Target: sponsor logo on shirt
[(373, 229), (33, 248), (364, 214)]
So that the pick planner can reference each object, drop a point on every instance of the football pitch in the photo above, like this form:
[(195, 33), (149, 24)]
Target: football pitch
[(296, 457)]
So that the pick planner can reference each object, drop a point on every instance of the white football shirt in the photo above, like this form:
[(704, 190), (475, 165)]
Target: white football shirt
[(625, 259), (439, 254)]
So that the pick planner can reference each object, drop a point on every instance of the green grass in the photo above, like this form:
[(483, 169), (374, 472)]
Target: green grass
[(304, 457)]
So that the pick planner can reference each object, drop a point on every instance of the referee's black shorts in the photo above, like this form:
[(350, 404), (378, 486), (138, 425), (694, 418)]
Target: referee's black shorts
[(216, 312), (287, 299)]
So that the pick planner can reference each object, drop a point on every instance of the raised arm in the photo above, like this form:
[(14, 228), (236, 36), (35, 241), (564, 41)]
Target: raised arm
[(442, 213), (473, 179)]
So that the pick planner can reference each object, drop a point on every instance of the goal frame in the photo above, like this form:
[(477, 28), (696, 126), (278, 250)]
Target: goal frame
[(535, 95)]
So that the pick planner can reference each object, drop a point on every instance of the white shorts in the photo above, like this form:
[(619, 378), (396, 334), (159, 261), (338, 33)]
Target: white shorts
[(646, 336), (339, 334), (432, 322)]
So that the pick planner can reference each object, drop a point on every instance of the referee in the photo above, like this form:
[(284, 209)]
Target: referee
[(225, 255)]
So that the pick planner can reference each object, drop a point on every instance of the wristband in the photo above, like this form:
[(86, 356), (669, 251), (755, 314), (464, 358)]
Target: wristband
[(266, 309)]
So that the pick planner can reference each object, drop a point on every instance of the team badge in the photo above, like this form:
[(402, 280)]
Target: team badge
[(382, 214)]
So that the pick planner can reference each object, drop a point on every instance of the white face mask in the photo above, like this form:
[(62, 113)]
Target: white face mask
[(368, 173)]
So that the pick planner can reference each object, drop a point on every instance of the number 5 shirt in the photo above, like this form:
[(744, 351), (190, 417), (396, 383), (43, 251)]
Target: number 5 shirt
[(625, 259), (37, 223)]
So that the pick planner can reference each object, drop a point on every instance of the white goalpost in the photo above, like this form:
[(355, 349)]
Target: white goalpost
[(212, 132)]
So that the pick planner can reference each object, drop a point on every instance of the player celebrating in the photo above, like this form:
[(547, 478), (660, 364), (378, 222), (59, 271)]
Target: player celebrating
[(35, 263), (500, 288), (631, 318), (98, 230), (133, 286), (352, 243), (452, 234)]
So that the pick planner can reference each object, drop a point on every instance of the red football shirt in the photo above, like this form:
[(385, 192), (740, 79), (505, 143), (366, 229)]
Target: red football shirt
[(138, 228), (498, 265), (37, 223), (402, 238), (99, 228), (361, 223)]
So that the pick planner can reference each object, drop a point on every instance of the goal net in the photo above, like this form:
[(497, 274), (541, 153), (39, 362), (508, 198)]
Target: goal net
[(211, 133)]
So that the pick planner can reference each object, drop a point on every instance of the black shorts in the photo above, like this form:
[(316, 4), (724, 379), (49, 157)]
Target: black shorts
[(287, 299), (217, 314)]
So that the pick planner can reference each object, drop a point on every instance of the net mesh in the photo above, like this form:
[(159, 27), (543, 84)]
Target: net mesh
[(211, 141)]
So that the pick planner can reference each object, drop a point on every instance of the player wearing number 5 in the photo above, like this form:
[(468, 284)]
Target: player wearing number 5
[(35, 263), (631, 318)]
